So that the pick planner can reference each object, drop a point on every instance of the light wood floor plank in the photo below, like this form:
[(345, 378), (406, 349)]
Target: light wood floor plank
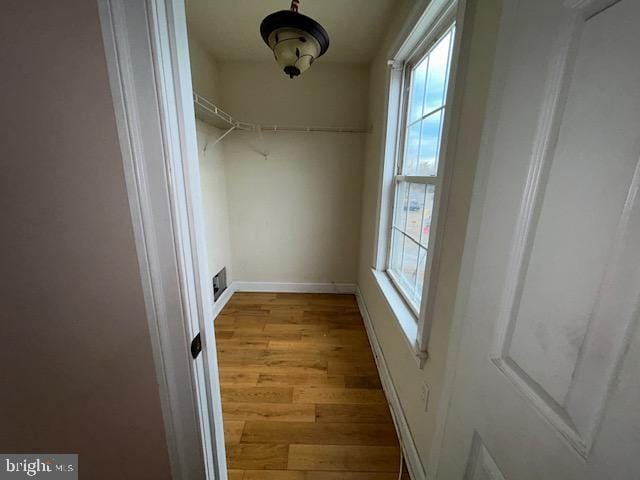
[(316, 379), (337, 395), (344, 458), (338, 337), (239, 344), (266, 358), (223, 334), (276, 318), (249, 310), (280, 328), (240, 321), (245, 456), (253, 336), (336, 413), (307, 475), (274, 475), (276, 369), (301, 395), (359, 353), (238, 378), (269, 411), (233, 431), (324, 433), (257, 394), (352, 475), (362, 381), (351, 367)]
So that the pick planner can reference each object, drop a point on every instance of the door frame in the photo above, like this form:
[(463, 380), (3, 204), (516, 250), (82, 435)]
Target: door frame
[(499, 68), (147, 57)]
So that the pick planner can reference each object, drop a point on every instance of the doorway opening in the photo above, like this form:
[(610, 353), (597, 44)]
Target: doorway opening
[(281, 163)]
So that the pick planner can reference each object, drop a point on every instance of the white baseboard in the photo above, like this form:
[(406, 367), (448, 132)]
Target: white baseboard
[(289, 287), (219, 304), (412, 459)]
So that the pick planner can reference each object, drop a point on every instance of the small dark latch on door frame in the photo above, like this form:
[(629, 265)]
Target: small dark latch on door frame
[(196, 346)]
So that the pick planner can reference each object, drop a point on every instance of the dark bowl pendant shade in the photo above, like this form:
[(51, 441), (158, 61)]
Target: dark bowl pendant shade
[(295, 39)]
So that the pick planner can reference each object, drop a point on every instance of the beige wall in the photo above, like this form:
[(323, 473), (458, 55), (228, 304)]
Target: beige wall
[(76, 366), (205, 78), (213, 182), (204, 70), (295, 216), (328, 94), (479, 40)]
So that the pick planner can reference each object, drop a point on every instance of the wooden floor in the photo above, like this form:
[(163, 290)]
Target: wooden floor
[(301, 396)]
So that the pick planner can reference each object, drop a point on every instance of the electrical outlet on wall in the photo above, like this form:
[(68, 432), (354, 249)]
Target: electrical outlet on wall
[(424, 395)]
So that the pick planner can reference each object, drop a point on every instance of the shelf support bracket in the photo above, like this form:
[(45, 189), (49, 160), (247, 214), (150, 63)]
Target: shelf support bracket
[(264, 152), (227, 132)]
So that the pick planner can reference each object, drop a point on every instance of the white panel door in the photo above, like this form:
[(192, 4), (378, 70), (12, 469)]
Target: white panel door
[(547, 384)]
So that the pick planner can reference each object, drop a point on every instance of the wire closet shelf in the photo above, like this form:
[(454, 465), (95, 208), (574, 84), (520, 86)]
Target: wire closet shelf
[(211, 114)]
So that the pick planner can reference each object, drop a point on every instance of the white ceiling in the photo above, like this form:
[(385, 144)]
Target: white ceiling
[(230, 29)]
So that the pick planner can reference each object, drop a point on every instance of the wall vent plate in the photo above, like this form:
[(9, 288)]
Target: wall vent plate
[(219, 283)]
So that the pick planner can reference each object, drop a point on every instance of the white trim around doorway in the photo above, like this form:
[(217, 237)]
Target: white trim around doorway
[(147, 58)]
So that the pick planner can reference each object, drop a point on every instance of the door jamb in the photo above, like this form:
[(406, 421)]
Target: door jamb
[(147, 58)]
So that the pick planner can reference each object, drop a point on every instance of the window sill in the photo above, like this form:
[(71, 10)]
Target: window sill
[(404, 315)]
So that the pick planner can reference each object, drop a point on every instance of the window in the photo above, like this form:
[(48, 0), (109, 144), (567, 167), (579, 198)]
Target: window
[(417, 176)]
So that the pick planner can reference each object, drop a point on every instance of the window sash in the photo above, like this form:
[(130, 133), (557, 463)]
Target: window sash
[(417, 242), (401, 285), (436, 179), (429, 113)]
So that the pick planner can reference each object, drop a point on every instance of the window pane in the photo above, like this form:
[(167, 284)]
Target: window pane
[(438, 73), (401, 205), (426, 215), (418, 81), (411, 149), (415, 210), (427, 164), (414, 202), (410, 237), (410, 264), (397, 242)]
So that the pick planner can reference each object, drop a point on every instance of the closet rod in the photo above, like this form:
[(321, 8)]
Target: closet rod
[(210, 113)]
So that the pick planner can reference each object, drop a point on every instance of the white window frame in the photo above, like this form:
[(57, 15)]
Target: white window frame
[(413, 43), (435, 180)]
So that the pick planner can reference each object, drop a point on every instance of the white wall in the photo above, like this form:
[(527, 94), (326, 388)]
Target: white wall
[(479, 42), (204, 72), (76, 367), (295, 216)]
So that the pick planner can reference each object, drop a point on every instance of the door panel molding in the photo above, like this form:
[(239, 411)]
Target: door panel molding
[(481, 464), (578, 416)]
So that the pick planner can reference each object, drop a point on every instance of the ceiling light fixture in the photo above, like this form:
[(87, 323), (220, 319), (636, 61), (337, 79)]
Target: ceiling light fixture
[(296, 40)]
